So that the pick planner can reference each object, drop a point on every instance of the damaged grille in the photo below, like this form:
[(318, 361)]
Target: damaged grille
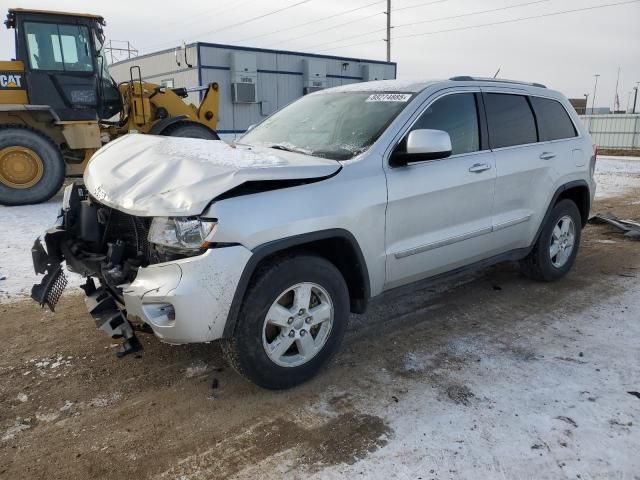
[(132, 231)]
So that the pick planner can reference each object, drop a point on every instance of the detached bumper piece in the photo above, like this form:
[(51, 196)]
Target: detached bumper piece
[(630, 228), (49, 290), (110, 319)]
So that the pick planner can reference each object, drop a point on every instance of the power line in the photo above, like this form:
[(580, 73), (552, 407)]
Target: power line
[(249, 20), (431, 20), (353, 21), (312, 21), (253, 19), (198, 18), (452, 17), (417, 5), (469, 27), (216, 9), (326, 29), (544, 15)]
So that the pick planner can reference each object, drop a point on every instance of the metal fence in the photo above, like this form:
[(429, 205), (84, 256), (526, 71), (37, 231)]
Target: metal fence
[(620, 131)]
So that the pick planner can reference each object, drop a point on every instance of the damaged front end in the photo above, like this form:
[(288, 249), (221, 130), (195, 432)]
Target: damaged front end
[(100, 243)]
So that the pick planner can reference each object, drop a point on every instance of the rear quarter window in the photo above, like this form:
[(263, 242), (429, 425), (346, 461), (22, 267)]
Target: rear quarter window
[(553, 120), (510, 120)]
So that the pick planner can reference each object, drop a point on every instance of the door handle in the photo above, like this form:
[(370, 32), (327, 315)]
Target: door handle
[(547, 156), (479, 167)]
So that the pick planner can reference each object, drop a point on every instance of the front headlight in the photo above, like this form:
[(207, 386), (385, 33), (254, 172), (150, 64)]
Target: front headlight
[(181, 233)]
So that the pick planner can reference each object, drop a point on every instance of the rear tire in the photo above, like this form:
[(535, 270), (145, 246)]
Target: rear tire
[(278, 342), (190, 130), (555, 251), (32, 169)]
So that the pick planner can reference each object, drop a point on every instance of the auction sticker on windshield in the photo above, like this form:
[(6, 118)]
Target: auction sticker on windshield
[(389, 97)]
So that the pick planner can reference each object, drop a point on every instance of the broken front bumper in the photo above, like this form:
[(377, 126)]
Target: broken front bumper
[(49, 263), (187, 300), (183, 301)]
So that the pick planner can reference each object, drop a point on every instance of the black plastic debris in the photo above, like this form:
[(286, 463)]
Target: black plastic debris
[(631, 228)]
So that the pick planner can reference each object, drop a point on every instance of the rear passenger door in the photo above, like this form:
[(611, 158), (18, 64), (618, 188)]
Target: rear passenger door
[(527, 155)]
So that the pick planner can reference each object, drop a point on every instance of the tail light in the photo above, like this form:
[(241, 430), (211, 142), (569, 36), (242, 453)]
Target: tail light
[(592, 163)]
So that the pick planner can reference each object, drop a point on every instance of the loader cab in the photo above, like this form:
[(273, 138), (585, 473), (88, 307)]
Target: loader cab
[(65, 66)]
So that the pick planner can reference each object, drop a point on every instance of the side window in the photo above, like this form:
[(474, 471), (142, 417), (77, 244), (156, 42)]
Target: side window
[(553, 120), (458, 116), (510, 120)]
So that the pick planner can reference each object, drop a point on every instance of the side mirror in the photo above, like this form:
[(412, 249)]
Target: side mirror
[(422, 145)]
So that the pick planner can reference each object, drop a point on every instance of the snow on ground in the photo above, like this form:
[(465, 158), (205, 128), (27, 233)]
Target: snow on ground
[(574, 419), (615, 175), (22, 225)]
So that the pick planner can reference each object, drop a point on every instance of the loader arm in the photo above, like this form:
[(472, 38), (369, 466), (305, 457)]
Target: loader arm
[(146, 104)]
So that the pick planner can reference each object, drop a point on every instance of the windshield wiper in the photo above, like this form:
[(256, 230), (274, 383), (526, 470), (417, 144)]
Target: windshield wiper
[(286, 149)]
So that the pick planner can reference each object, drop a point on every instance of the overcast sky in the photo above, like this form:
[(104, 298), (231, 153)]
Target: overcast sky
[(562, 51)]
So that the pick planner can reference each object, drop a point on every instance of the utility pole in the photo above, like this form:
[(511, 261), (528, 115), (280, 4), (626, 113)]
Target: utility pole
[(595, 88), (635, 99), (616, 99), (586, 103), (388, 40)]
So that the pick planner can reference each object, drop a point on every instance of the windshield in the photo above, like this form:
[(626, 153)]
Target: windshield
[(61, 47), (337, 125)]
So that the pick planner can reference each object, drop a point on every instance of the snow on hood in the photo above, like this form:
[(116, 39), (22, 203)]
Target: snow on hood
[(148, 175)]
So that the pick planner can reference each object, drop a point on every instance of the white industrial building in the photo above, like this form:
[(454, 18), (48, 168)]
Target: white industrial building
[(254, 82)]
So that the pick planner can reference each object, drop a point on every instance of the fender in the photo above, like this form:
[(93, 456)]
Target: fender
[(554, 199), (261, 252)]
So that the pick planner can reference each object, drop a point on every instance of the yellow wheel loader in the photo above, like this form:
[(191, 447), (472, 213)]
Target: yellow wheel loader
[(59, 104)]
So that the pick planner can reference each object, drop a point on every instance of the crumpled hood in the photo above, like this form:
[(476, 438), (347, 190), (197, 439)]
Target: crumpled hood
[(148, 175)]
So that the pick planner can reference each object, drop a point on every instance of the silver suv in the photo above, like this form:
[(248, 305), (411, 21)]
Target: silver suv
[(270, 243)]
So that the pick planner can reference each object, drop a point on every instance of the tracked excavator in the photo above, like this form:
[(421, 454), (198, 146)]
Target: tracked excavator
[(59, 104)]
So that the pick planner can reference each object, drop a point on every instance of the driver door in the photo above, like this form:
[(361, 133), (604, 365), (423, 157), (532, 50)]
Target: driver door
[(439, 211)]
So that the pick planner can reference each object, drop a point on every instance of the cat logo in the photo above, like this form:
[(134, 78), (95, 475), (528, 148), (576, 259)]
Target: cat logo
[(10, 80)]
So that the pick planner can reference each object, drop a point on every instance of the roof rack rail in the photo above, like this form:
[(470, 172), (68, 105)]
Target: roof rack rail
[(468, 78)]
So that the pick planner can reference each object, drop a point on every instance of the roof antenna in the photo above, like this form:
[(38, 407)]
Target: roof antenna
[(496, 75)]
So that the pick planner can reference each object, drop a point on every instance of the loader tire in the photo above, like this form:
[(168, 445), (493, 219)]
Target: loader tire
[(190, 130), (32, 169)]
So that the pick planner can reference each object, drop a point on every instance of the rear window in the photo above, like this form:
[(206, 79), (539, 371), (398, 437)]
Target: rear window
[(510, 120), (553, 120)]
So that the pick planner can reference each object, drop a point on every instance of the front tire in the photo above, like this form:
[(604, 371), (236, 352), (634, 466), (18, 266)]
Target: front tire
[(555, 251), (31, 166), (292, 321)]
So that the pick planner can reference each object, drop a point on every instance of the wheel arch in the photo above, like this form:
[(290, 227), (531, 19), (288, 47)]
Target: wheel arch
[(338, 246), (576, 191)]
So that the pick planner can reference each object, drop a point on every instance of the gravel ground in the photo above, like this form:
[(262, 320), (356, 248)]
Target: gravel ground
[(486, 376)]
